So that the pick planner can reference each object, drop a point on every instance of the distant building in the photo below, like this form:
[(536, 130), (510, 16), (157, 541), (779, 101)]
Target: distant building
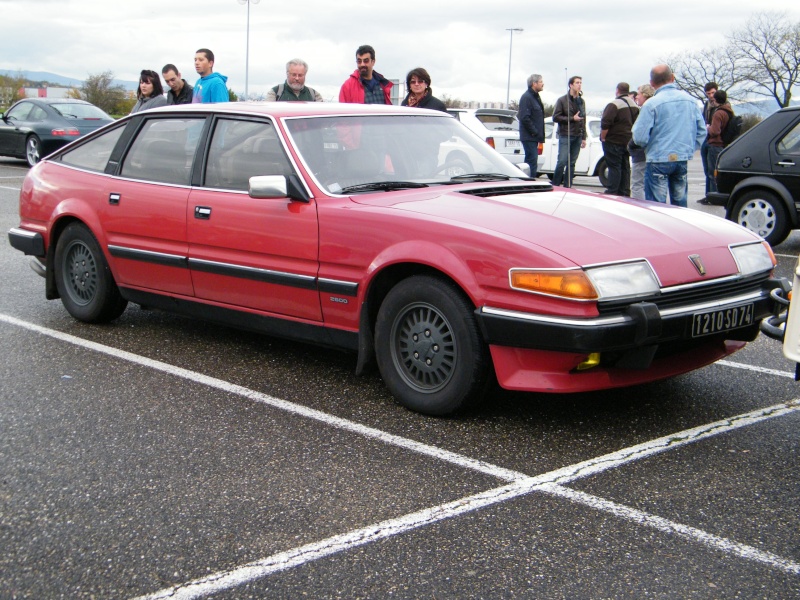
[(46, 92)]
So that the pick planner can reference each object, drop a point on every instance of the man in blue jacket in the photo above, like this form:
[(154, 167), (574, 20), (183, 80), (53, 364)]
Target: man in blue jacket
[(210, 88), (670, 128), (531, 122)]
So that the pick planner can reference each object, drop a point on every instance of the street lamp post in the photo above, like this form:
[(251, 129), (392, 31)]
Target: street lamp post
[(247, 51), (510, 45)]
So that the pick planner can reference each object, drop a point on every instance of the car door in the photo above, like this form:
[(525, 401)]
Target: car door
[(785, 155), (145, 206), (256, 253), (13, 129)]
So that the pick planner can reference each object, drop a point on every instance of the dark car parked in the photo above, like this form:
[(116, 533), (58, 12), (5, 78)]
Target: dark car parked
[(34, 127), (758, 177)]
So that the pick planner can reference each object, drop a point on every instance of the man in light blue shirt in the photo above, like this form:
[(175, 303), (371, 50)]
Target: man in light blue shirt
[(670, 128)]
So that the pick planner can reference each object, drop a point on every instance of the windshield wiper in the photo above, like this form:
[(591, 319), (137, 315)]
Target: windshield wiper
[(480, 177), (383, 185)]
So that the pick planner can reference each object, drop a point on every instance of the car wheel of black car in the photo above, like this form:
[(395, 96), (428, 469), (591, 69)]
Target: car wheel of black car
[(764, 214), (84, 281), (602, 173), (428, 347), (33, 150)]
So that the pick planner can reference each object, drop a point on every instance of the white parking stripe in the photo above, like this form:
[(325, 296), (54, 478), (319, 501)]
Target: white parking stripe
[(642, 518), (546, 483), (5, 187), (735, 365), (521, 484)]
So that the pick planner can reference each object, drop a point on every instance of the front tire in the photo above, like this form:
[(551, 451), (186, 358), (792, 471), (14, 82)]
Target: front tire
[(33, 150), (764, 214), (428, 347), (83, 278)]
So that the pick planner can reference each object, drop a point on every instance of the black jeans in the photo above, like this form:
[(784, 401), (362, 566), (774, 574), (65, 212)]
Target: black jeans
[(618, 160)]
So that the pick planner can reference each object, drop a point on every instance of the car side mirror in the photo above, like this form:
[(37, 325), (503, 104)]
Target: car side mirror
[(277, 186)]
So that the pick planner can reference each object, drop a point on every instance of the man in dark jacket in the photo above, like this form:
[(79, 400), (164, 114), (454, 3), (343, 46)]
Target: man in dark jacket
[(720, 117), (531, 122), (570, 114), (615, 133), (179, 92)]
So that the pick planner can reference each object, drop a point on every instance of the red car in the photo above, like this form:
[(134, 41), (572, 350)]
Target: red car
[(354, 227)]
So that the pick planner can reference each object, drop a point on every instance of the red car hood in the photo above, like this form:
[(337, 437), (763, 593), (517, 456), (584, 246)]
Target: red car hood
[(589, 229)]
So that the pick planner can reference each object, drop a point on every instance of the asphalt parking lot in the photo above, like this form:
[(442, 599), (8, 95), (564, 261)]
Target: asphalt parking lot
[(159, 457)]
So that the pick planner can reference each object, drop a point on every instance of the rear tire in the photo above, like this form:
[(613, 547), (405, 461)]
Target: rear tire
[(33, 150), (83, 278), (428, 347), (602, 173), (764, 214)]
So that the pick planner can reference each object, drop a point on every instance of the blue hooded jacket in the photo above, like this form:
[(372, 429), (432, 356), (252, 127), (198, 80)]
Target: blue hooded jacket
[(210, 89)]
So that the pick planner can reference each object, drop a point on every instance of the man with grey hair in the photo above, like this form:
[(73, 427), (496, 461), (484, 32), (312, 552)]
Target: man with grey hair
[(670, 140), (531, 121), (294, 89)]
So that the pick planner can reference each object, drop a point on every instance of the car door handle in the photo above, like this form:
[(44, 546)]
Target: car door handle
[(113, 199), (786, 163), (202, 212)]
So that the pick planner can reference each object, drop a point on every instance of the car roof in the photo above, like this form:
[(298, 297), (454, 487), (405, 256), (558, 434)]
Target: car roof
[(57, 100), (296, 109)]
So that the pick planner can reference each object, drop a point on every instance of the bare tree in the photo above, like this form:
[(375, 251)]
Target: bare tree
[(451, 102), (767, 51), (694, 69), (100, 91)]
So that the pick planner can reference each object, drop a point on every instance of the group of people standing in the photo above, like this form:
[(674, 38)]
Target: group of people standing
[(363, 86), (648, 136), (210, 87)]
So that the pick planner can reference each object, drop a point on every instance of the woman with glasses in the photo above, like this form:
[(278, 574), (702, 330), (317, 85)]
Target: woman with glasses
[(149, 94), (418, 84)]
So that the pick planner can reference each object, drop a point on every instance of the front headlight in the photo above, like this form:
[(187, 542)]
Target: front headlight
[(623, 280), (606, 282), (754, 258)]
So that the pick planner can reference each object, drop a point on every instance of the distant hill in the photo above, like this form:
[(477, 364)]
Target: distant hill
[(761, 108), (60, 80)]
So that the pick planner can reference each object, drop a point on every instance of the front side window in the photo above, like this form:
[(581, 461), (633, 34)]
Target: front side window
[(94, 154), (243, 149), (163, 151), (20, 112)]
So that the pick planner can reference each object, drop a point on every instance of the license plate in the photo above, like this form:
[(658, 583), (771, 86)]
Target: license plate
[(513, 143), (725, 319)]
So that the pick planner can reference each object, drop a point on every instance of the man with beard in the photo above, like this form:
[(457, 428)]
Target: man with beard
[(366, 86), (294, 89)]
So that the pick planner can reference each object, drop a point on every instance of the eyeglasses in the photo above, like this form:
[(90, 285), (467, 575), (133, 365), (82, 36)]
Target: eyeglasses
[(415, 82)]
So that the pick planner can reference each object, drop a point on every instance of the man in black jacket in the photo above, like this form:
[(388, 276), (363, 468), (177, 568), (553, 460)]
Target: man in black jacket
[(570, 114), (615, 133), (531, 122)]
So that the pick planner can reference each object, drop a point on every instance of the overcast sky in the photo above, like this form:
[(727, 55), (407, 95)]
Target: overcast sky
[(464, 44)]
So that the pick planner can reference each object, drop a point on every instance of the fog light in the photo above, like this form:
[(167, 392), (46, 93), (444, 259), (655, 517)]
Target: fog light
[(591, 361)]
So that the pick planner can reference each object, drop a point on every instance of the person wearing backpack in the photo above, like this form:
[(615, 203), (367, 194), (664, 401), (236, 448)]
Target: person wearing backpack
[(294, 89), (723, 116)]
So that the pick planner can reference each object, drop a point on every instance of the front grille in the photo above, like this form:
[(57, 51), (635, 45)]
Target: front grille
[(693, 294)]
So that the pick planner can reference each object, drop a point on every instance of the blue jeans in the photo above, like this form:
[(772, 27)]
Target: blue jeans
[(663, 177), (531, 156), (567, 146), (710, 165)]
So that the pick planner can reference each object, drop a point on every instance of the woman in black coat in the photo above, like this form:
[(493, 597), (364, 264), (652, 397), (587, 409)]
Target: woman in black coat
[(418, 84)]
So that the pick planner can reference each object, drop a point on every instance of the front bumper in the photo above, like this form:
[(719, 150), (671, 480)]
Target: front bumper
[(637, 326)]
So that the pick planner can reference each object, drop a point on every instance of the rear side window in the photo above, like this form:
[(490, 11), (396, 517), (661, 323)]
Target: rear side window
[(79, 111), (94, 154), (163, 151), (498, 122), (243, 149), (790, 143)]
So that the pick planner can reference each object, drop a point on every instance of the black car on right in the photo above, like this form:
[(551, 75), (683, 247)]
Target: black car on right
[(758, 177)]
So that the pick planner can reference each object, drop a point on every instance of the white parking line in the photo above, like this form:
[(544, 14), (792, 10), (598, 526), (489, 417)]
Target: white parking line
[(521, 484), (5, 187)]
